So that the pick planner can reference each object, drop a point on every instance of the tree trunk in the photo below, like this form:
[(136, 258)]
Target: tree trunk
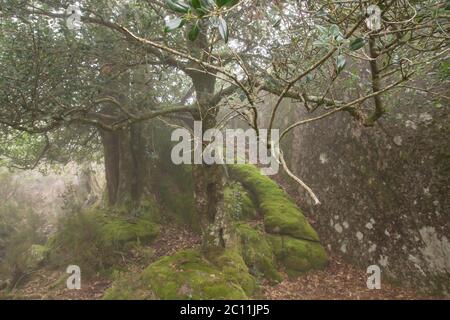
[(125, 165), (124, 149), (209, 180)]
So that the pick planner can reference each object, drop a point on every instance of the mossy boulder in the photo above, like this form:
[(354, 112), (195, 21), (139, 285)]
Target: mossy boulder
[(119, 231), (281, 214), (257, 252), (298, 255), (239, 203), (188, 275), (233, 267), (94, 239)]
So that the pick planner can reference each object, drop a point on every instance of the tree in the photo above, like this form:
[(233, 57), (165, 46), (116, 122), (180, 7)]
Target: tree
[(94, 79)]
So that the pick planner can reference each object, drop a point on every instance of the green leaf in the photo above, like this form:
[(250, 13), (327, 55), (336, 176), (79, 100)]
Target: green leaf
[(193, 33), (177, 6), (196, 4), (208, 4), (340, 63), (223, 29), (357, 44), (201, 12), (222, 3), (334, 31), (321, 13), (173, 24)]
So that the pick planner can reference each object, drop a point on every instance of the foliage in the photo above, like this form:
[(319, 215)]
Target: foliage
[(96, 239), (193, 12), (20, 233), (121, 67)]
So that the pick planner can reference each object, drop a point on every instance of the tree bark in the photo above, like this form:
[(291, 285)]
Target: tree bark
[(209, 180)]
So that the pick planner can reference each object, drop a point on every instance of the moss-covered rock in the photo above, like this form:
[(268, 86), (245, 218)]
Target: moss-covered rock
[(298, 255), (188, 275), (281, 214), (119, 231), (233, 267), (239, 202), (257, 252), (94, 238)]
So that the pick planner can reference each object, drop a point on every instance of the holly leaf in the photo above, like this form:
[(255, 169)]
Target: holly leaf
[(193, 33), (223, 28), (222, 3), (196, 4), (357, 44), (340, 62), (177, 6), (173, 24)]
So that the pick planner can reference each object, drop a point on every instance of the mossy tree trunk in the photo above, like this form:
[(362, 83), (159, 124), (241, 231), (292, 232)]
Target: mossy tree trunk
[(209, 180)]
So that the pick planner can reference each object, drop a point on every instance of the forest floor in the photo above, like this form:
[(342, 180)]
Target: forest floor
[(48, 284), (338, 281)]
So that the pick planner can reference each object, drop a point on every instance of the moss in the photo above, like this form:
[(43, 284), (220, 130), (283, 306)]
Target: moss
[(298, 255), (127, 287), (281, 215), (187, 275), (119, 231), (233, 266), (257, 253), (239, 202), (93, 239)]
